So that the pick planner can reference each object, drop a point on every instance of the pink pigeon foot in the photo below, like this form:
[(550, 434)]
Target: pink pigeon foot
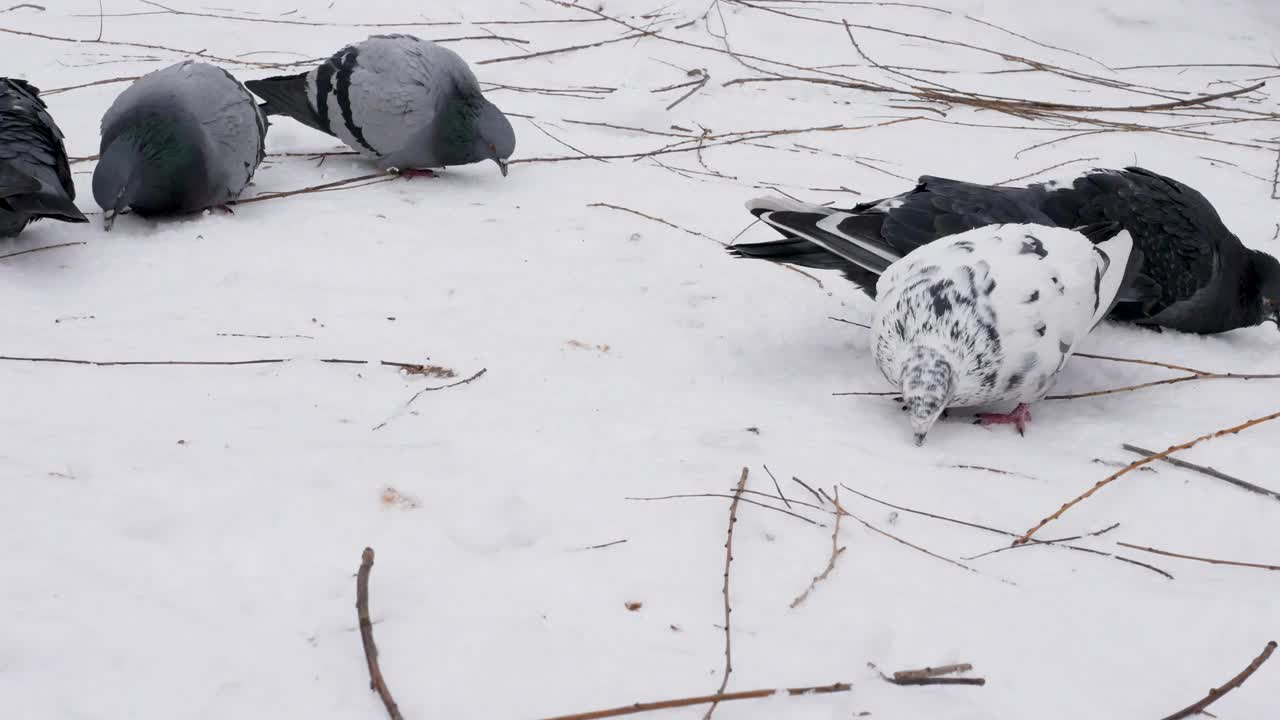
[(414, 172), (1019, 418)]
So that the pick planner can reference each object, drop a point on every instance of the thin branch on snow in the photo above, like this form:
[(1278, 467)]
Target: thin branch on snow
[(728, 497), (1137, 464), (1206, 471), (646, 216), (376, 681), (1054, 543), (836, 551), (423, 391), (411, 368), (930, 672), (348, 183), (778, 487), (1197, 558), (703, 700), (38, 249), (728, 610), (1235, 682)]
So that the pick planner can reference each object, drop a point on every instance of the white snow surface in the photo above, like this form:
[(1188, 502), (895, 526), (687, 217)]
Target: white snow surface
[(181, 541)]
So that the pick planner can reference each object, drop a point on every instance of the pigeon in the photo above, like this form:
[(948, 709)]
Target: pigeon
[(35, 176), (983, 317), (1196, 276), (407, 103), (181, 139)]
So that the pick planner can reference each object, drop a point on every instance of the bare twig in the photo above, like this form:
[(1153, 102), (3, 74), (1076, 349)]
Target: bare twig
[(1197, 558), (895, 538), (848, 322), (938, 681), (932, 671), (813, 492), (703, 700), (646, 216), (38, 249), (418, 394), (728, 561), (1139, 463), (1206, 471), (836, 551), (728, 497), (371, 179), (376, 681), (1235, 682), (562, 50), (781, 497)]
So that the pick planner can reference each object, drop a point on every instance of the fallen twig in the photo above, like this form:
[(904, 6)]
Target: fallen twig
[(728, 561), (1197, 558), (778, 487), (38, 249), (1139, 463), (376, 681), (421, 392), (324, 187), (728, 497), (836, 551), (1206, 471), (703, 700), (646, 216), (1235, 682), (930, 672)]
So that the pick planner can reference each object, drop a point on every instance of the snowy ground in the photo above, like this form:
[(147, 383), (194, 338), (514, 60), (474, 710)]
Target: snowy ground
[(181, 541)]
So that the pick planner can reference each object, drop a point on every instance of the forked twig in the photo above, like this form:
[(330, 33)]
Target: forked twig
[(376, 681), (1137, 464), (1235, 682), (836, 551), (425, 390)]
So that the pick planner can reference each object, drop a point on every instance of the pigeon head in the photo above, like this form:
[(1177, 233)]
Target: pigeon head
[(148, 165), (1265, 271), (472, 130), (928, 385)]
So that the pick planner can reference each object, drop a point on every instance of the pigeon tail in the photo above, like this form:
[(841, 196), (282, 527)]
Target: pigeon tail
[(287, 95), (928, 385)]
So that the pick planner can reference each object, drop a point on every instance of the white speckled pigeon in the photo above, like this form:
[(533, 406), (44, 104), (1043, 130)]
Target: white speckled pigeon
[(982, 317), (179, 140), (35, 177), (408, 103), (1196, 275)]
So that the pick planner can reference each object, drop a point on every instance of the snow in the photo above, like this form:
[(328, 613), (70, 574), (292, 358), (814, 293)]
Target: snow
[(182, 541)]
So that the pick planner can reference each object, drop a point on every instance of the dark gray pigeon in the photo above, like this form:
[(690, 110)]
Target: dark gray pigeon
[(35, 177), (1196, 275), (179, 140), (408, 103)]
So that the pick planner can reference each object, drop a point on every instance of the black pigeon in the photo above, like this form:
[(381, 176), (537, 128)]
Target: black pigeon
[(1196, 276), (35, 177)]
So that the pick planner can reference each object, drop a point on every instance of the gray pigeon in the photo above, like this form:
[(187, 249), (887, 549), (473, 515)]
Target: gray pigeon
[(1196, 275), (179, 140), (408, 103), (35, 177)]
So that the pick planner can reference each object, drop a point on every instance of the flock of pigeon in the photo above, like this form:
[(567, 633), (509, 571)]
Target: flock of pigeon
[(982, 293)]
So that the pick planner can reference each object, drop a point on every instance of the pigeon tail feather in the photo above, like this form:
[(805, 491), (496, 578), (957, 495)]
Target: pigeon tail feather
[(287, 95)]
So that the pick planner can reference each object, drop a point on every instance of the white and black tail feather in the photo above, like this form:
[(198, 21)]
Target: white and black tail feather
[(853, 239), (1121, 263), (287, 95)]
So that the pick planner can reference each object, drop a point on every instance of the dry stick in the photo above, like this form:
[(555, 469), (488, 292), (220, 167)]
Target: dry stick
[(728, 561), (932, 671), (806, 487), (423, 391), (1235, 682), (1006, 533), (583, 153), (144, 46), (1044, 170), (376, 682), (1139, 463), (1206, 471), (836, 552), (435, 23), (1137, 361), (730, 497), (558, 51), (848, 322), (262, 361), (937, 681), (107, 81), (777, 486), (1197, 558), (38, 249), (1166, 381), (325, 187), (703, 700), (841, 511), (669, 224)]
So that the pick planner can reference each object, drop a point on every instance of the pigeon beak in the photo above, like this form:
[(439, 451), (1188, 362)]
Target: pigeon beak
[(502, 165), (919, 439)]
